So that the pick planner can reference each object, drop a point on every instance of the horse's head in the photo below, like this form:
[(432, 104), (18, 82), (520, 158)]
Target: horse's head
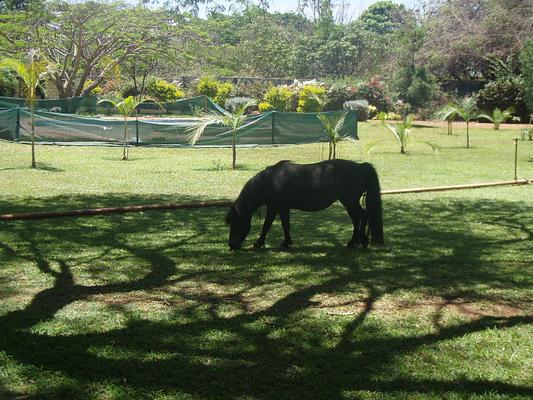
[(239, 227)]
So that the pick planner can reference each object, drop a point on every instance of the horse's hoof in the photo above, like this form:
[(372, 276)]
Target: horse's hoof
[(258, 245), (285, 246), (350, 245)]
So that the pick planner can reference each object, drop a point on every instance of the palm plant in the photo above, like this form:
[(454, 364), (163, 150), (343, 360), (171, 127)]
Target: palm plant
[(448, 114), (402, 131), (402, 134), (30, 75), (465, 109), (230, 120), (333, 125), (498, 116), (125, 107)]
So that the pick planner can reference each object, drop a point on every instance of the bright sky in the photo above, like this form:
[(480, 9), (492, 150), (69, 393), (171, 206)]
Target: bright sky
[(355, 7)]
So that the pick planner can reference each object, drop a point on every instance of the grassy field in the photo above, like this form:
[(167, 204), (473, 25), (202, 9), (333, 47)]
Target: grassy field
[(154, 306)]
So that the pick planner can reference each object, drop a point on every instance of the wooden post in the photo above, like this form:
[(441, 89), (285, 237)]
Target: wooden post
[(273, 125), (515, 159), (17, 126), (137, 126)]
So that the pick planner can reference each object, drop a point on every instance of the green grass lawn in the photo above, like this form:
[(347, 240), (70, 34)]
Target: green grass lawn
[(153, 305)]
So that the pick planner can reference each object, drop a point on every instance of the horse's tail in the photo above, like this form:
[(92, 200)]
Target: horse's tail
[(373, 204)]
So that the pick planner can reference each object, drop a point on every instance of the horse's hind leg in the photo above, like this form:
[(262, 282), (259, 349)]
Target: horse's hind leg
[(359, 221), (362, 234), (270, 216), (286, 224)]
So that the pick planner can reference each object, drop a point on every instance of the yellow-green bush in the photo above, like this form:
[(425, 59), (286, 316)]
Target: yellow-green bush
[(310, 97), (223, 93), (214, 89), (265, 106), (280, 98), (164, 91)]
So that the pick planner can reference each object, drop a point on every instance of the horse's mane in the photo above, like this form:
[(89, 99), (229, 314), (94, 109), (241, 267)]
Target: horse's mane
[(253, 192)]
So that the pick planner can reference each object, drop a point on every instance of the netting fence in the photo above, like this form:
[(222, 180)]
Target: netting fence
[(263, 129)]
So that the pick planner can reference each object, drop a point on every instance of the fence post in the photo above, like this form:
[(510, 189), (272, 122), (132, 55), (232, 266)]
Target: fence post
[(17, 126), (515, 159), (137, 126), (273, 125), (356, 121)]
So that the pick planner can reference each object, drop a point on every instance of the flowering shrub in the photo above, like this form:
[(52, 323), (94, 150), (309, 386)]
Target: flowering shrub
[(374, 92), (338, 94)]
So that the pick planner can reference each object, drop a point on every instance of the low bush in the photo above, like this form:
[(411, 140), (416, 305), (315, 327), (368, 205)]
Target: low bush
[(224, 91), (374, 92), (265, 107), (8, 82), (207, 86), (310, 98), (280, 98), (218, 91), (338, 94), (502, 94), (164, 91)]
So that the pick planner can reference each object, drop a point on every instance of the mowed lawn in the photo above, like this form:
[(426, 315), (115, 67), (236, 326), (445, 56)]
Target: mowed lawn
[(154, 306)]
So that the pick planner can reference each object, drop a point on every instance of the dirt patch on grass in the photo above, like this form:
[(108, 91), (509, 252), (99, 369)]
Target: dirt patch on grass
[(473, 309), (461, 125)]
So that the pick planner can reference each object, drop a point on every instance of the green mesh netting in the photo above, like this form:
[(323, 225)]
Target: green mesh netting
[(71, 105), (269, 128), (88, 104)]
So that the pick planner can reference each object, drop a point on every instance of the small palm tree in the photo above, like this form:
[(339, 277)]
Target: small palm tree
[(448, 114), (498, 116), (333, 125), (466, 109), (402, 134), (30, 75), (125, 107), (402, 131), (230, 120)]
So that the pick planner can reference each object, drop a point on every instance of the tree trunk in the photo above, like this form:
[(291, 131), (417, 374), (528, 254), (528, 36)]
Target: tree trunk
[(124, 149), (33, 163), (467, 135)]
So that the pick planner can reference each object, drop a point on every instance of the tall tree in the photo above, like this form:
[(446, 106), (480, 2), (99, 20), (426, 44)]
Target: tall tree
[(463, 35), (87, 40), (526, 61), (384, 17)]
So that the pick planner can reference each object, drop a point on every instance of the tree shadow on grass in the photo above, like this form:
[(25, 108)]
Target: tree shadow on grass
[(246, 324), (40, 166)]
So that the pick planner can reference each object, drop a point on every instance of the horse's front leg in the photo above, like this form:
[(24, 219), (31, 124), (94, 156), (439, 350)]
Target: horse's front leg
[(270, 216), (286, 224)]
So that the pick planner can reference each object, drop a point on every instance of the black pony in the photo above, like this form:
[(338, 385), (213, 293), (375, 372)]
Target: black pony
[(309, 187)]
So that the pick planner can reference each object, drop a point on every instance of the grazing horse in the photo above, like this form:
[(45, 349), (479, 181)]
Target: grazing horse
[(309, 187)]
